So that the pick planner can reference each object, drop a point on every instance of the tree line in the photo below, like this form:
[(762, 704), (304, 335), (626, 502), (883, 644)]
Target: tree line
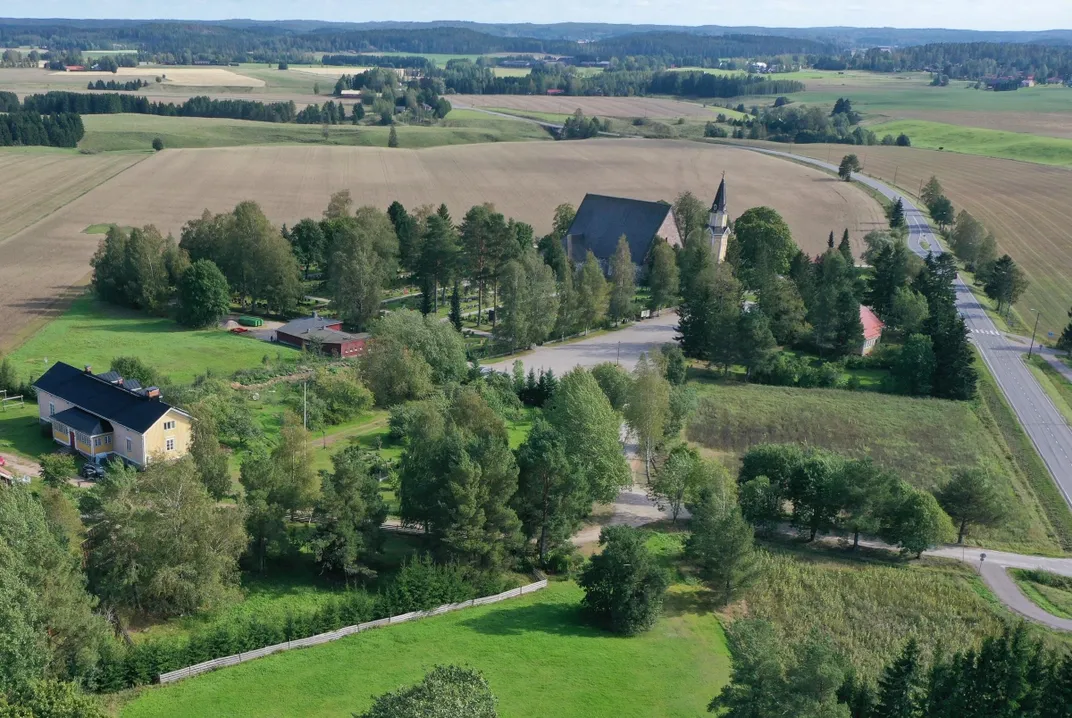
[(970, 60), (59, 129), (122, 86), (114, 103)]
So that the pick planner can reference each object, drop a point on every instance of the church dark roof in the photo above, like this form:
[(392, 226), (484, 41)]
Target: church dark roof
[(601, 220), (719, 204)]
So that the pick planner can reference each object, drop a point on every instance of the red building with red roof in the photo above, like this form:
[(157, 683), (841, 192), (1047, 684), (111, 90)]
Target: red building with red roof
[(873, 327)]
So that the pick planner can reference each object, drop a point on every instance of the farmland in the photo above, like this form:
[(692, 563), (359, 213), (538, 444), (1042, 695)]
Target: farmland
[(524, 180), (920, 439), (599, 106), (521, 646), (1024, 204), (977, 141), (136, 132)]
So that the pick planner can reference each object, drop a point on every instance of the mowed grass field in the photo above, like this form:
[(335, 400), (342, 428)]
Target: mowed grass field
[(93, 332), (1024, 204), (525, 180), (106, 133), (922, 440), (535, 651), (1021, 146)]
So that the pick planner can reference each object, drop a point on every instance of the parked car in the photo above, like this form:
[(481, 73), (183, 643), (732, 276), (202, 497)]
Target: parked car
[(91, 471)]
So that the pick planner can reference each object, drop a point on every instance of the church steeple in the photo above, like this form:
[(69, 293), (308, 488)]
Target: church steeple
[(718, 223)]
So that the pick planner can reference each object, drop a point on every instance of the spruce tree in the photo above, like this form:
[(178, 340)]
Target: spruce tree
[(845, 247), (830, 240), (896, 214), (900, 686), (1065, 342)]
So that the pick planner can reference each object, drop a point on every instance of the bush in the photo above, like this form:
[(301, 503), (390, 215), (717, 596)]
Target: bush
[(158, 144), (623, 586), (422, 585)]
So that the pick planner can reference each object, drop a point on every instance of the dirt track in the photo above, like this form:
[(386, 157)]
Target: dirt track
[(524, 180)]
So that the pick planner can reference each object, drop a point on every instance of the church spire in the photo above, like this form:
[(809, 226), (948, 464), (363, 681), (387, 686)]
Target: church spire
[(719, 204)]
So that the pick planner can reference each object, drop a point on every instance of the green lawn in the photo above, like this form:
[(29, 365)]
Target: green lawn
[(108, 133), (93, 332), (921, 439), (20, 431), (534, 651), (1053, 383), (977, 141), (1049, 591)]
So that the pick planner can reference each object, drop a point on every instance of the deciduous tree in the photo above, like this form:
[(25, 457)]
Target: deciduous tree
[(648, 408), (204, 295), (446, 692), (551, 497), (662, 276), (592, 293), (849, 164), (972, 498), (1006, 283), (623, 585), (622, 283), (763, 246)]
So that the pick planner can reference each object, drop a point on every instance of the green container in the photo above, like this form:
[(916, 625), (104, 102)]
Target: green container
[(251, 321)]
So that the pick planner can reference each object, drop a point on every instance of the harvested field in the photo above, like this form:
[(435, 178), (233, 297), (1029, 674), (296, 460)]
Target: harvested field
[(35, 276), (1026, 206), (524, 180), (599, 106), (186, 76)]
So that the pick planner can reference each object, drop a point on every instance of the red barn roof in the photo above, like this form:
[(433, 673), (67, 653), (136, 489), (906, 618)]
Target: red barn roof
[(873, 326)]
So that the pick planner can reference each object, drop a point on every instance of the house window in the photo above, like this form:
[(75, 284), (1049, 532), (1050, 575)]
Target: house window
[(169, 425), (169, 445), (82, 438), (129, 445), (51, 409), (96, 441)]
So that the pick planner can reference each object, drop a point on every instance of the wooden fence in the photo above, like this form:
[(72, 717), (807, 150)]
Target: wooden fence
[(316, 640)]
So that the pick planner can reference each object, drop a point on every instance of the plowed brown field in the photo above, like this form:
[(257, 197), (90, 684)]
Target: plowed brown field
[(1026, 205), (36, 273), (524, 180)]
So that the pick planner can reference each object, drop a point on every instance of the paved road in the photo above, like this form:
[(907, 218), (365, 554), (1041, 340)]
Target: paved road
[(1041, 420), (623, 346)]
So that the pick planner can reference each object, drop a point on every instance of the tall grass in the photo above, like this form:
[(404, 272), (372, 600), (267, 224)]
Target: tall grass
[(922, 440)]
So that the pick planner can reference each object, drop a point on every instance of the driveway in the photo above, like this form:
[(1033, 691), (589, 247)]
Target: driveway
[(623, 346)]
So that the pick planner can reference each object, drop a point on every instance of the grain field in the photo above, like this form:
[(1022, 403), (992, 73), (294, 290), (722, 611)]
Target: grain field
[(524, 180)]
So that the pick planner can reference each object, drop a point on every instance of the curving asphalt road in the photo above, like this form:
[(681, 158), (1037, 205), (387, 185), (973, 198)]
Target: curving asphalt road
[(1042, 421)]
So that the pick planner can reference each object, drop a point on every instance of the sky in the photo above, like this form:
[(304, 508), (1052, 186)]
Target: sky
[(961, 14)]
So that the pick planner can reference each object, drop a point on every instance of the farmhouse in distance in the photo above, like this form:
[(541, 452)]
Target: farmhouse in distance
[(602, 220), (102, 416)]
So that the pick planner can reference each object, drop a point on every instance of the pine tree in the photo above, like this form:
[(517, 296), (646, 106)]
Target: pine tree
[(896, 214), (900, 687), (932, 191)]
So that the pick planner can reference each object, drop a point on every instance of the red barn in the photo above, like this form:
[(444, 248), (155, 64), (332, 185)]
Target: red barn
[(318, 331)]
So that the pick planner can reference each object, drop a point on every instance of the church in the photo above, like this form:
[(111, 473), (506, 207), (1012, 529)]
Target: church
[(601, 220)]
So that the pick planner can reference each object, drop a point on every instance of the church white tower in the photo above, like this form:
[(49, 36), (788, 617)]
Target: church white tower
[(718, 223)]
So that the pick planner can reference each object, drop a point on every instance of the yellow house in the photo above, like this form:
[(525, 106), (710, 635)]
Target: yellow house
[(104, 416)]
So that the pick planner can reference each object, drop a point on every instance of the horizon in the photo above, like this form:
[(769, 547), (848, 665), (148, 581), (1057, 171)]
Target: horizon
[(977, 15)]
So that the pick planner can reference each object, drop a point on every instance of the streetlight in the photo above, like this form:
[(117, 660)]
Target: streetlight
[(1038, 315)]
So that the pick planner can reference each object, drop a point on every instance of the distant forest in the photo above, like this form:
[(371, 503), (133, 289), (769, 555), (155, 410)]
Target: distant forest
[(971, 61)]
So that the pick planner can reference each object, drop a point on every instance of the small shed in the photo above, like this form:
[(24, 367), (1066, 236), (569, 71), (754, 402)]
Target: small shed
[(873, 327)]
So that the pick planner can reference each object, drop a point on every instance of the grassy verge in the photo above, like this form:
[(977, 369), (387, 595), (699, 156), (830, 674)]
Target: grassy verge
[(1049, 591), (919, 438), (93, 332), (110, 133), (522, 647), (1054, 384), (1018, 449)]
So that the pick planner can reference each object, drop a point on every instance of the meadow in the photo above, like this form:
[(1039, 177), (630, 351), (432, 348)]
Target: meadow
[(623, 107), (94, 332), (1021, 146), (108, 133), (1024, 204), (524, 648), (922, 440)]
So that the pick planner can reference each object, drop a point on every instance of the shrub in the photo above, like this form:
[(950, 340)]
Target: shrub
[(623, 586), (158, 144)]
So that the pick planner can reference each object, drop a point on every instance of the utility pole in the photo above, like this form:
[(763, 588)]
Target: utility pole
[(919, 195), (1038, 315), (305, 405), (895, 170)]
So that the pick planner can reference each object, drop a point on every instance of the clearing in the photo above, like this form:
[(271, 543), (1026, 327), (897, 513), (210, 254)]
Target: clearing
[(521, 646), (94, 332), (106, 133), (920, 439), (1024, 204), (525, 180)]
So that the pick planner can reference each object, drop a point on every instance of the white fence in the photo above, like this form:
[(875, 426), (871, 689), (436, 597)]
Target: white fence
[(212, 665)]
